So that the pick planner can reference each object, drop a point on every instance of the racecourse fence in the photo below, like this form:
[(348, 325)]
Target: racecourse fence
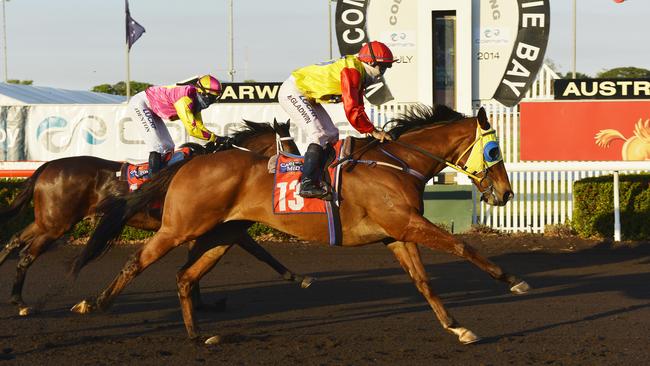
[(543, 190)]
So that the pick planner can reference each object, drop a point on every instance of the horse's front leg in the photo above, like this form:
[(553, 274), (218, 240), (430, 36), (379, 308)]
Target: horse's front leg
[(252, 247), (422, 231), (409, 258), (154, 249)]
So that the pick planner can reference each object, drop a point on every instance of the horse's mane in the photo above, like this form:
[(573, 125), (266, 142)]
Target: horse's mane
[(251, 129), (422, 115)]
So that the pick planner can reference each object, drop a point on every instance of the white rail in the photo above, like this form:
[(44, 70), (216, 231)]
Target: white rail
[(544, 194)]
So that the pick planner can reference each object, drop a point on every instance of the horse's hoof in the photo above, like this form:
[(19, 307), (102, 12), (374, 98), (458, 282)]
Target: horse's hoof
[(307, 281), (83, 307), (520, 288), (465, 336), (25, 310), (214, 340)]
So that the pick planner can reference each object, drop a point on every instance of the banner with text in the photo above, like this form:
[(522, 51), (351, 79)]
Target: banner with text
[(47, 132)]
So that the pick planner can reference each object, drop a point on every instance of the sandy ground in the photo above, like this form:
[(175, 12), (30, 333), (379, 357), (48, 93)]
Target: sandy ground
[(590, 306)]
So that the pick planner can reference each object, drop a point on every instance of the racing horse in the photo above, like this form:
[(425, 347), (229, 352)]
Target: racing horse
[(378, 204), (67, 190)]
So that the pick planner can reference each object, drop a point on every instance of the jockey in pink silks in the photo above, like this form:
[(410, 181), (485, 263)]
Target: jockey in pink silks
[(183, 101)]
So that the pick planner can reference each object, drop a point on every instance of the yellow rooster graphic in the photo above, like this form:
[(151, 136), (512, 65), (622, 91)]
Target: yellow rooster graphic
[(636, 147)]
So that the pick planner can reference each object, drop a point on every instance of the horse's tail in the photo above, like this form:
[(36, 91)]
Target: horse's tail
[(605, 137), (23, 197), (116, 212)]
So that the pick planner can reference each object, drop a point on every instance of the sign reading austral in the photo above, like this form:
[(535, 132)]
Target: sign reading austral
[(527, 53), (250, 92), (572, 89)]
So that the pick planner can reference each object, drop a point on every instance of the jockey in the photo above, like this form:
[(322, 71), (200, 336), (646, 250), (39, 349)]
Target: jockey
[(345, 79), (183, 101)]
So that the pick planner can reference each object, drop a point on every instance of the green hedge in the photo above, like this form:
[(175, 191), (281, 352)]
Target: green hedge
[(9, 188), (593, 210)]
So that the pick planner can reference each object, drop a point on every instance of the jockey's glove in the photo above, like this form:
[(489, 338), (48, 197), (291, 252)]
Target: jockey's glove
[(381, 135), (224, 142)]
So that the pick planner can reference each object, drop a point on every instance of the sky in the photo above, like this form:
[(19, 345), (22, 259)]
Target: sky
[(77, 44)]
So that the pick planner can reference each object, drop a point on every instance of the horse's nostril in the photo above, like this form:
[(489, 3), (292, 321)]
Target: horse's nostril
[(508, 196)]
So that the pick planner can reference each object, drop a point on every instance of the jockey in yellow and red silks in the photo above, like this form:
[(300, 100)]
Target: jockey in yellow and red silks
[(343, 80), (183, 101)]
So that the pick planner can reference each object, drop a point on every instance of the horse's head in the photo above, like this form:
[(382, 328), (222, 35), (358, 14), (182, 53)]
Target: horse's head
[(448, 138), (485, 163), (285, 138)]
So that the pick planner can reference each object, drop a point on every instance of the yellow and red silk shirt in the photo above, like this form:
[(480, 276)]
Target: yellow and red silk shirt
[(178, 102), (336, 80)]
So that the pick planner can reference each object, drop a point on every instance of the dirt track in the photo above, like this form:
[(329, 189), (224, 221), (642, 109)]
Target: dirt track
[(590, 306)]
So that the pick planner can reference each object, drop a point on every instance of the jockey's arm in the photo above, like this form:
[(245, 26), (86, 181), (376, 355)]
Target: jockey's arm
[(192, 121), (352, 95)]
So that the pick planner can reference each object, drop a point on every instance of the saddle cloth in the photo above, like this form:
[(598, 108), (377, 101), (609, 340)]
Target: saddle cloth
[(137, 174), (286, 200)]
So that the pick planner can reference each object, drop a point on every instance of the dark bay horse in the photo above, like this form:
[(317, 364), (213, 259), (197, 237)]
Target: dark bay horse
[(67, 190), (379, 204)]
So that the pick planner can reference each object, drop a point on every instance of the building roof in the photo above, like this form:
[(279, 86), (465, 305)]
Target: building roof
[(14, 94)]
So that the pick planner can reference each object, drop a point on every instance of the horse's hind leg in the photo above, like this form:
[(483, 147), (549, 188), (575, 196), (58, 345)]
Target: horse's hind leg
[(420, 230), (409, 258), (154, 249), (37, 242), (188, 277)]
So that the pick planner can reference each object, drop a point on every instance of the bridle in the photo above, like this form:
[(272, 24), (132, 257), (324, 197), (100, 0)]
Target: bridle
[(278, 142), (480, 177)]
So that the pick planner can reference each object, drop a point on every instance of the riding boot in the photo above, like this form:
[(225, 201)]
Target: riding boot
[(311, 170), (155, 163)]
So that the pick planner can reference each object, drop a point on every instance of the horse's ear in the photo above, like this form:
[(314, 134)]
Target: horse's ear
[(483, 119), (288, 122), (275, 124)]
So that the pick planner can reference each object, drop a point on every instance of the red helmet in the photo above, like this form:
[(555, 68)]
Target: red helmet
[(376, 52)]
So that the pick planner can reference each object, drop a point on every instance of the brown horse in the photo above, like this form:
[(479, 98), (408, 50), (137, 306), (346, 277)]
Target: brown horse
[(67, 190), (379, 204)]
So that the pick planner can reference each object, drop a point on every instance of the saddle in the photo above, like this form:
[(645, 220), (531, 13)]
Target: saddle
[(136, 174)]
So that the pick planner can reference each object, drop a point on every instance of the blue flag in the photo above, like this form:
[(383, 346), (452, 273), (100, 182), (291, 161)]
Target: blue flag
[(133, 29)]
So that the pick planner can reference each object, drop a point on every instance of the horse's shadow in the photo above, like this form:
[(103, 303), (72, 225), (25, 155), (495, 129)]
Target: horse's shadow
[(459, 284), (382, 292)]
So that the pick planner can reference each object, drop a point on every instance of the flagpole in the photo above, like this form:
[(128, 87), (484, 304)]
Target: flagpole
[(231, 41), (128, 74), (127, 49), (4, 36), (573, 58)]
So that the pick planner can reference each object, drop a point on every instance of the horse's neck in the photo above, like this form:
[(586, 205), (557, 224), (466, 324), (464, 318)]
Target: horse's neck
[(263, 144), (447, 142)]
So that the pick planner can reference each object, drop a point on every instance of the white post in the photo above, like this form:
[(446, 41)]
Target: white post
[(617, 209)]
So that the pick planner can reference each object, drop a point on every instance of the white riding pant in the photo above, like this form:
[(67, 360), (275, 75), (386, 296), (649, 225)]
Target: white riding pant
[(306, 113), (152, 127)]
